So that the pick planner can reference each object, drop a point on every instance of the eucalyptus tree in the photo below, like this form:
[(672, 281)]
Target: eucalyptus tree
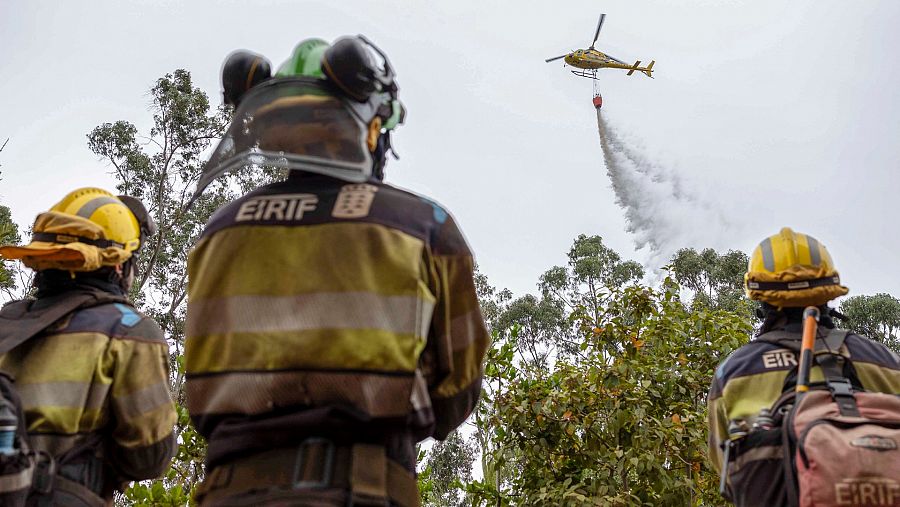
[(161, 167), (877, 317)]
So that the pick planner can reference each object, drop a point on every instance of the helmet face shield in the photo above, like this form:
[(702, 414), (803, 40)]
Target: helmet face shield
[(297, 124)]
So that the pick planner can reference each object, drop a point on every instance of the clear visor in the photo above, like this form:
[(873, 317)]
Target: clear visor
[(297, 124)]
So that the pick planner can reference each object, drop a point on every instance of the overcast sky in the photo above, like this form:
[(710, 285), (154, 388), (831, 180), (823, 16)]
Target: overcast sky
[(762, 114)]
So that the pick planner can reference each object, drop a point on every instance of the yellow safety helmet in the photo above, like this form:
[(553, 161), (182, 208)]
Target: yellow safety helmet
[(791, 269), (88, 229)]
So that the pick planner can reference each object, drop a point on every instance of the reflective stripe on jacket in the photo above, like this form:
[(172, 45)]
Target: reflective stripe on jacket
[(99, 372), (350, 306), (753, 377)]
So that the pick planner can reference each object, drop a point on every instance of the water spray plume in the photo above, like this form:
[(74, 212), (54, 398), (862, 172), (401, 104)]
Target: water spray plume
[(660, 212)]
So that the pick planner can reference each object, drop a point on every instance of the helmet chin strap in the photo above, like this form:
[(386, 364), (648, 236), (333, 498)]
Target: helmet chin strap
[(379, 155), (126, 273)]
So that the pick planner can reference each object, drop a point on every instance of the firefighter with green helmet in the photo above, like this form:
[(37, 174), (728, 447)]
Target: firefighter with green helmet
[(90, 370), (752, 387), (332, 318)]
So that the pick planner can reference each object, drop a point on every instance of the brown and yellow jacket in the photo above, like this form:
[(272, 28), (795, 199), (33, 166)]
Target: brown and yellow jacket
[(95, 383), (754, 376), (320, 308)]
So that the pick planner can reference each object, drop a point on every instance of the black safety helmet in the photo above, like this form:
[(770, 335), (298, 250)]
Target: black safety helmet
[(243, 70)]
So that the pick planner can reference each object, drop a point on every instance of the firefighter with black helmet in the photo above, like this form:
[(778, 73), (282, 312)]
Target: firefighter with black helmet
[(787, 272), (332, 318), (90, 370)]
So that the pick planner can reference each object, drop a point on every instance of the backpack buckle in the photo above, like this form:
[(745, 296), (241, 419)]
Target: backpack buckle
[(842, 394), (321, 464), (840, 387)]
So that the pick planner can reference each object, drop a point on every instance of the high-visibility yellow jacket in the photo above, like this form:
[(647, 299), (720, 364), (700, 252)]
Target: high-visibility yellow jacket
[(753, 377), (318, 307), (98, 374)]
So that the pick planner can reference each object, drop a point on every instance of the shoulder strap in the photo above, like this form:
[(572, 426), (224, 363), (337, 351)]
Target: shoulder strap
[(20, 321), (781, 337), (832, 342), (829, 344), (826, 356)]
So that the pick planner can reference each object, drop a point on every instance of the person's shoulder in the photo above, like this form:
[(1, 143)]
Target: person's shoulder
[(119, 320), (865, 349), (446, 236), (439, 213), (755, 357)]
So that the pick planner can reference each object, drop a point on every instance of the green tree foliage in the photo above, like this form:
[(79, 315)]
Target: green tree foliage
[(715, 280), (447, 466), (492, 301), (9, 234), (162, 168), (579, 288), (619, 421), (877, 317)]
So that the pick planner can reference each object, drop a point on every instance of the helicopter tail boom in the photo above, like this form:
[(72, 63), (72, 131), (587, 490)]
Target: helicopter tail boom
[(648, 70)]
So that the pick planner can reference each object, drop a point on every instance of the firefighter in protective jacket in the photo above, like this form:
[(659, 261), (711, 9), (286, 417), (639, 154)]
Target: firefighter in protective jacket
[(91, 371), (787, 272), (332, 318)]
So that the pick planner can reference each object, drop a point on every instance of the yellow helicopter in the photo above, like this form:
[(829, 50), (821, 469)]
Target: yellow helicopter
[(590, 60)]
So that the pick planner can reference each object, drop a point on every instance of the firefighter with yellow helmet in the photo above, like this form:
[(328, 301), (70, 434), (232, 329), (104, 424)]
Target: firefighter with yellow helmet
[(787, 272), (332, 318), (90, 370)]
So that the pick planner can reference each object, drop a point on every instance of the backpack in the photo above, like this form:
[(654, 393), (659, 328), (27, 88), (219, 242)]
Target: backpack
[(837, 447), (16, 468), (23, 471)]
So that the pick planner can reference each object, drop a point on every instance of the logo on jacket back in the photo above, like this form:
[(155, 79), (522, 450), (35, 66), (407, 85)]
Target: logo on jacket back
[(781, 358), (276, 207), (867, 492), (354, 201)]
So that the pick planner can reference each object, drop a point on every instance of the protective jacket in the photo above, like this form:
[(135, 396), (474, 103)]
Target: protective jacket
[(754, 376), (94, 389), (324, 309)]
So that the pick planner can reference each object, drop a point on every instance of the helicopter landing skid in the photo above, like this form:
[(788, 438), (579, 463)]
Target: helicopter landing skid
[(585, 73)]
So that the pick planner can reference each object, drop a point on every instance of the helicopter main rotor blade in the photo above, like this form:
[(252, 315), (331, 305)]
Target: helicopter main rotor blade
[(555, 58), (599, 26)]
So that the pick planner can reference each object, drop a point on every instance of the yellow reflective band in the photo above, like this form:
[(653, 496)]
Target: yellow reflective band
[(64, 420), (339, 349), (877, 378), (466, 368), (339, 257), (70, 357)]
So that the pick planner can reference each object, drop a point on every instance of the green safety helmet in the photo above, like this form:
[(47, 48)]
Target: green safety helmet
[(351, 69), (305, 60), (350, 64)]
